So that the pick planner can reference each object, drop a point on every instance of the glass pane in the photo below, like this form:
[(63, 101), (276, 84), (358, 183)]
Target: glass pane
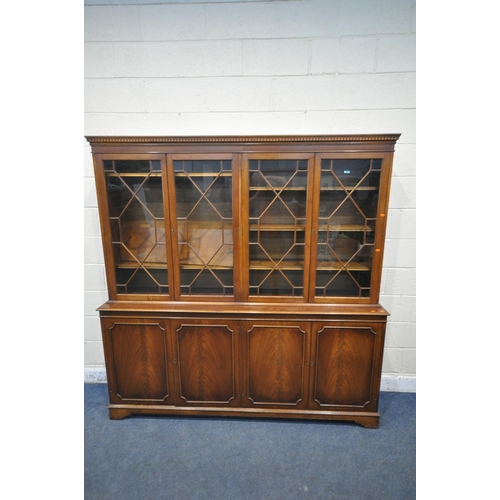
[(137, 223), (350, 172), (205, 226), (207, 282), (277, 282), (132, 166), (343, 284), (347, 218), (277, 218)]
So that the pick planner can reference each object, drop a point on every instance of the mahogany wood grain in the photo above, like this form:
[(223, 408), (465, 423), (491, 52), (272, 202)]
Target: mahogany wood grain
[(248, 309), (137, 355), (381, 226), (366, 419), (343, 366), (206, 361), (299, 356), (277, 360)]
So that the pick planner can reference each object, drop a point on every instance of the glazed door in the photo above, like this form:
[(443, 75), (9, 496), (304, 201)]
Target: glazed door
[(204, 208), (277, 198), (206, 361), (346, 367), (348, 231), (275, 361), (137, 361), (132, 190)]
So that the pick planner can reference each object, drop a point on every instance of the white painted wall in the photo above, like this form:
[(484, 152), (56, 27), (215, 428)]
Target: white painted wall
[(186, 67)]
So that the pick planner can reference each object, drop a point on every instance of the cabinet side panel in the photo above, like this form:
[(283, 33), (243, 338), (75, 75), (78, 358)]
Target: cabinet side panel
[(276, 356), (139, 361), (344, 365), (206, 367)]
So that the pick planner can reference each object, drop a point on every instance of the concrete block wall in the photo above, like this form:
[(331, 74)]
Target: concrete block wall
[(218, 67)]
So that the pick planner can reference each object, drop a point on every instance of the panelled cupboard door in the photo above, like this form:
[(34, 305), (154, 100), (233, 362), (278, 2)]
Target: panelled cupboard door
[(206, 361), (137, 355), (276, 364), (346, 366)]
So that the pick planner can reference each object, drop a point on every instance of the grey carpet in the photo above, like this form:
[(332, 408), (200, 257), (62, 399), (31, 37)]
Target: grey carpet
[(191, 458)]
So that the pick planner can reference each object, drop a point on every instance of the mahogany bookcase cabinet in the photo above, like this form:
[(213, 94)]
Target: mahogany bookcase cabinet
[(244, 274)]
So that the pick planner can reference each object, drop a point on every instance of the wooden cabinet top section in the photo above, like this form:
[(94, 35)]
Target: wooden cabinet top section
[(370, 142), (244, 219)]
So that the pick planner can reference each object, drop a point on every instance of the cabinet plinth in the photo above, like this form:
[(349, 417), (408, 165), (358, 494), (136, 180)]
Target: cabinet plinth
[(243, 274)]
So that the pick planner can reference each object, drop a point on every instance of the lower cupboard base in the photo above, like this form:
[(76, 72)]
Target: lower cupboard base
[(366, 419)]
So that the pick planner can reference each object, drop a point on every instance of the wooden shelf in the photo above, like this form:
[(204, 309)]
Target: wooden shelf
[(268, 188), (219, 224), (337, 266), (299, 266), (224, 173), (187, 265), (349, 188), (321, 228), (135, 265), (288, 265), (255, 265), (276, 227), (345, 227), (133, 174), (183, 264)]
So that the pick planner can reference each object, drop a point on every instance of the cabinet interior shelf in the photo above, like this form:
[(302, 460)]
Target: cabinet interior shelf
[(254, 264), (345, 228), (349, 188), (299, 266), (321, 228), (203, 174), (276, 227), (262, 226), (277, 189), (133, 174), (144, 265), (183, 264)]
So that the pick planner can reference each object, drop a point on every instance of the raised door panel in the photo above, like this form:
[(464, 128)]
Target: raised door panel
[(206, 362), (276, 358), (136, 360), (346, 364)]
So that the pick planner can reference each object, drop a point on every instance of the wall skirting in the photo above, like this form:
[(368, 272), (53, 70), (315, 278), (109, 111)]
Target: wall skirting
[(398, 383), (390, 383), (94, 375)]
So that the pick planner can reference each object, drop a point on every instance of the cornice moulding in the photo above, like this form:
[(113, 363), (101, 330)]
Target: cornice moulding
[(242, 139)]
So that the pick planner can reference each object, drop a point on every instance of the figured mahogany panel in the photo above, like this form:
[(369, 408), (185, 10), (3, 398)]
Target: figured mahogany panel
[(276, 356), (139, 361), (344, 366), (206, 363)]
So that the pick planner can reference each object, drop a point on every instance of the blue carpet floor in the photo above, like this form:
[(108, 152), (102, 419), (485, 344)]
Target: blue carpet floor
[(191, 458)]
